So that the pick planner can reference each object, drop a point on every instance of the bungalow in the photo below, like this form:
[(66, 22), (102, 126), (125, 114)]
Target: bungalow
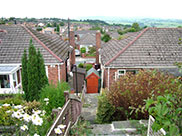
[(58, 55), (152, 48)]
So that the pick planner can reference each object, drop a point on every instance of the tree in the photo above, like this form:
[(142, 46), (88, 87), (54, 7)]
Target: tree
[(57, 28), (33, 75), (136, 26), (61, 23), (106, 38), (54, 24), (39, 29), (43, 81), (24, 74)]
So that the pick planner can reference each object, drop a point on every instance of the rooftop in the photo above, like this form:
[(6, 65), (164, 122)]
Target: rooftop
[(152, 47)]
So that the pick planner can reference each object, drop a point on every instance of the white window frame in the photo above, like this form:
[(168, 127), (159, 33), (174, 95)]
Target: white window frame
[(118, 74)]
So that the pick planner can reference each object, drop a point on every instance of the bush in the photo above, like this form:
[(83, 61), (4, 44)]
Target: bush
[(15, 99), (55, 95), (32, 106), (92, 51), (106, 38), (39, 29), (80, 65), (5, 117), (132, 30), (167, 112), (105, 110), (88, 67), (83, 50), (128, 93)]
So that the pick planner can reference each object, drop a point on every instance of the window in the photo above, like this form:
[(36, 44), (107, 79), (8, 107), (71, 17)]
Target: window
[(4, 81), (132, 71), (14, 79), (121, 72)]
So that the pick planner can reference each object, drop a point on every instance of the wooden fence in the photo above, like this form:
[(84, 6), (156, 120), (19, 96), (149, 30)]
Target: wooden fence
[(69, 113)]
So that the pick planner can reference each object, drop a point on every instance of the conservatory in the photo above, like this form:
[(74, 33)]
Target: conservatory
[(10, 78)]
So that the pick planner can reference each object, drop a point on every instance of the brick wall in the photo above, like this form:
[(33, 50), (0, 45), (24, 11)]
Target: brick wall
[(63, 72), (53, 73), (111, 76)]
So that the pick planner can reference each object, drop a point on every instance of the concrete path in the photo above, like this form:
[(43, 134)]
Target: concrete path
[(116, 128), (90, 107)]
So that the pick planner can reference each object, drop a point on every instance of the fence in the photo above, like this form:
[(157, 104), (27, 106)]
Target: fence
[(69, 113), (150, 132)]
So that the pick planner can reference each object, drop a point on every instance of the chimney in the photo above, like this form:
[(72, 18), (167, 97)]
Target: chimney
[(61, 36), (98, 45), (78, 37), (72, 43)]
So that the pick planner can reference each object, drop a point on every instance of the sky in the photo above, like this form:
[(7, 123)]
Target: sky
[(75, 9)]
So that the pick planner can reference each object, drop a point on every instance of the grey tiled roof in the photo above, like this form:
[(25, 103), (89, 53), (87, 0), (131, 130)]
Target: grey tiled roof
[(87, 39), (85, 32), (17, 39), (155, 47)]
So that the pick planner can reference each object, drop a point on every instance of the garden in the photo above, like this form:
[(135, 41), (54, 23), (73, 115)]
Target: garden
[(21, 117), (30, 113), (135, 97)]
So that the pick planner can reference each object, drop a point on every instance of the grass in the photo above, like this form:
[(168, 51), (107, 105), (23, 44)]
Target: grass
[(141, 128), (82, 128), (86, 105)]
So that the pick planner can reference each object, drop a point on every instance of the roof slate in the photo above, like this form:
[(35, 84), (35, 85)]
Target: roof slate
[(155, 47), (88, 39), (17, 39)]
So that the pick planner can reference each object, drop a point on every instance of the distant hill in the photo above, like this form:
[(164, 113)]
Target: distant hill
[(151, 22)]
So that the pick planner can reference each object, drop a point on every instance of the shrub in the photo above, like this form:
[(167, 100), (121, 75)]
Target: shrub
[(132, 30), (55, 95), (80, 65), (128, 93), (83, 50), (92, 51), (39, 29), (15, 99), (105, 110), (88, 66), (5, 117), (167, 112), (32, 106), (106, 38)]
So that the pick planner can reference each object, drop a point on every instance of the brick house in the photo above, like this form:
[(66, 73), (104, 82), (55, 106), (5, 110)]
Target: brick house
[(85, 38), (151, 48), (58, 55)]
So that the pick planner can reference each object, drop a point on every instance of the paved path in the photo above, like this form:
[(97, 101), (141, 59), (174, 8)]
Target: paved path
[(116, 128), (90, 107)]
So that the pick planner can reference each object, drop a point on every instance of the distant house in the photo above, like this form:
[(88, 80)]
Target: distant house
[(152, 48), (48, 30), (86, 40), (58, 55)]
